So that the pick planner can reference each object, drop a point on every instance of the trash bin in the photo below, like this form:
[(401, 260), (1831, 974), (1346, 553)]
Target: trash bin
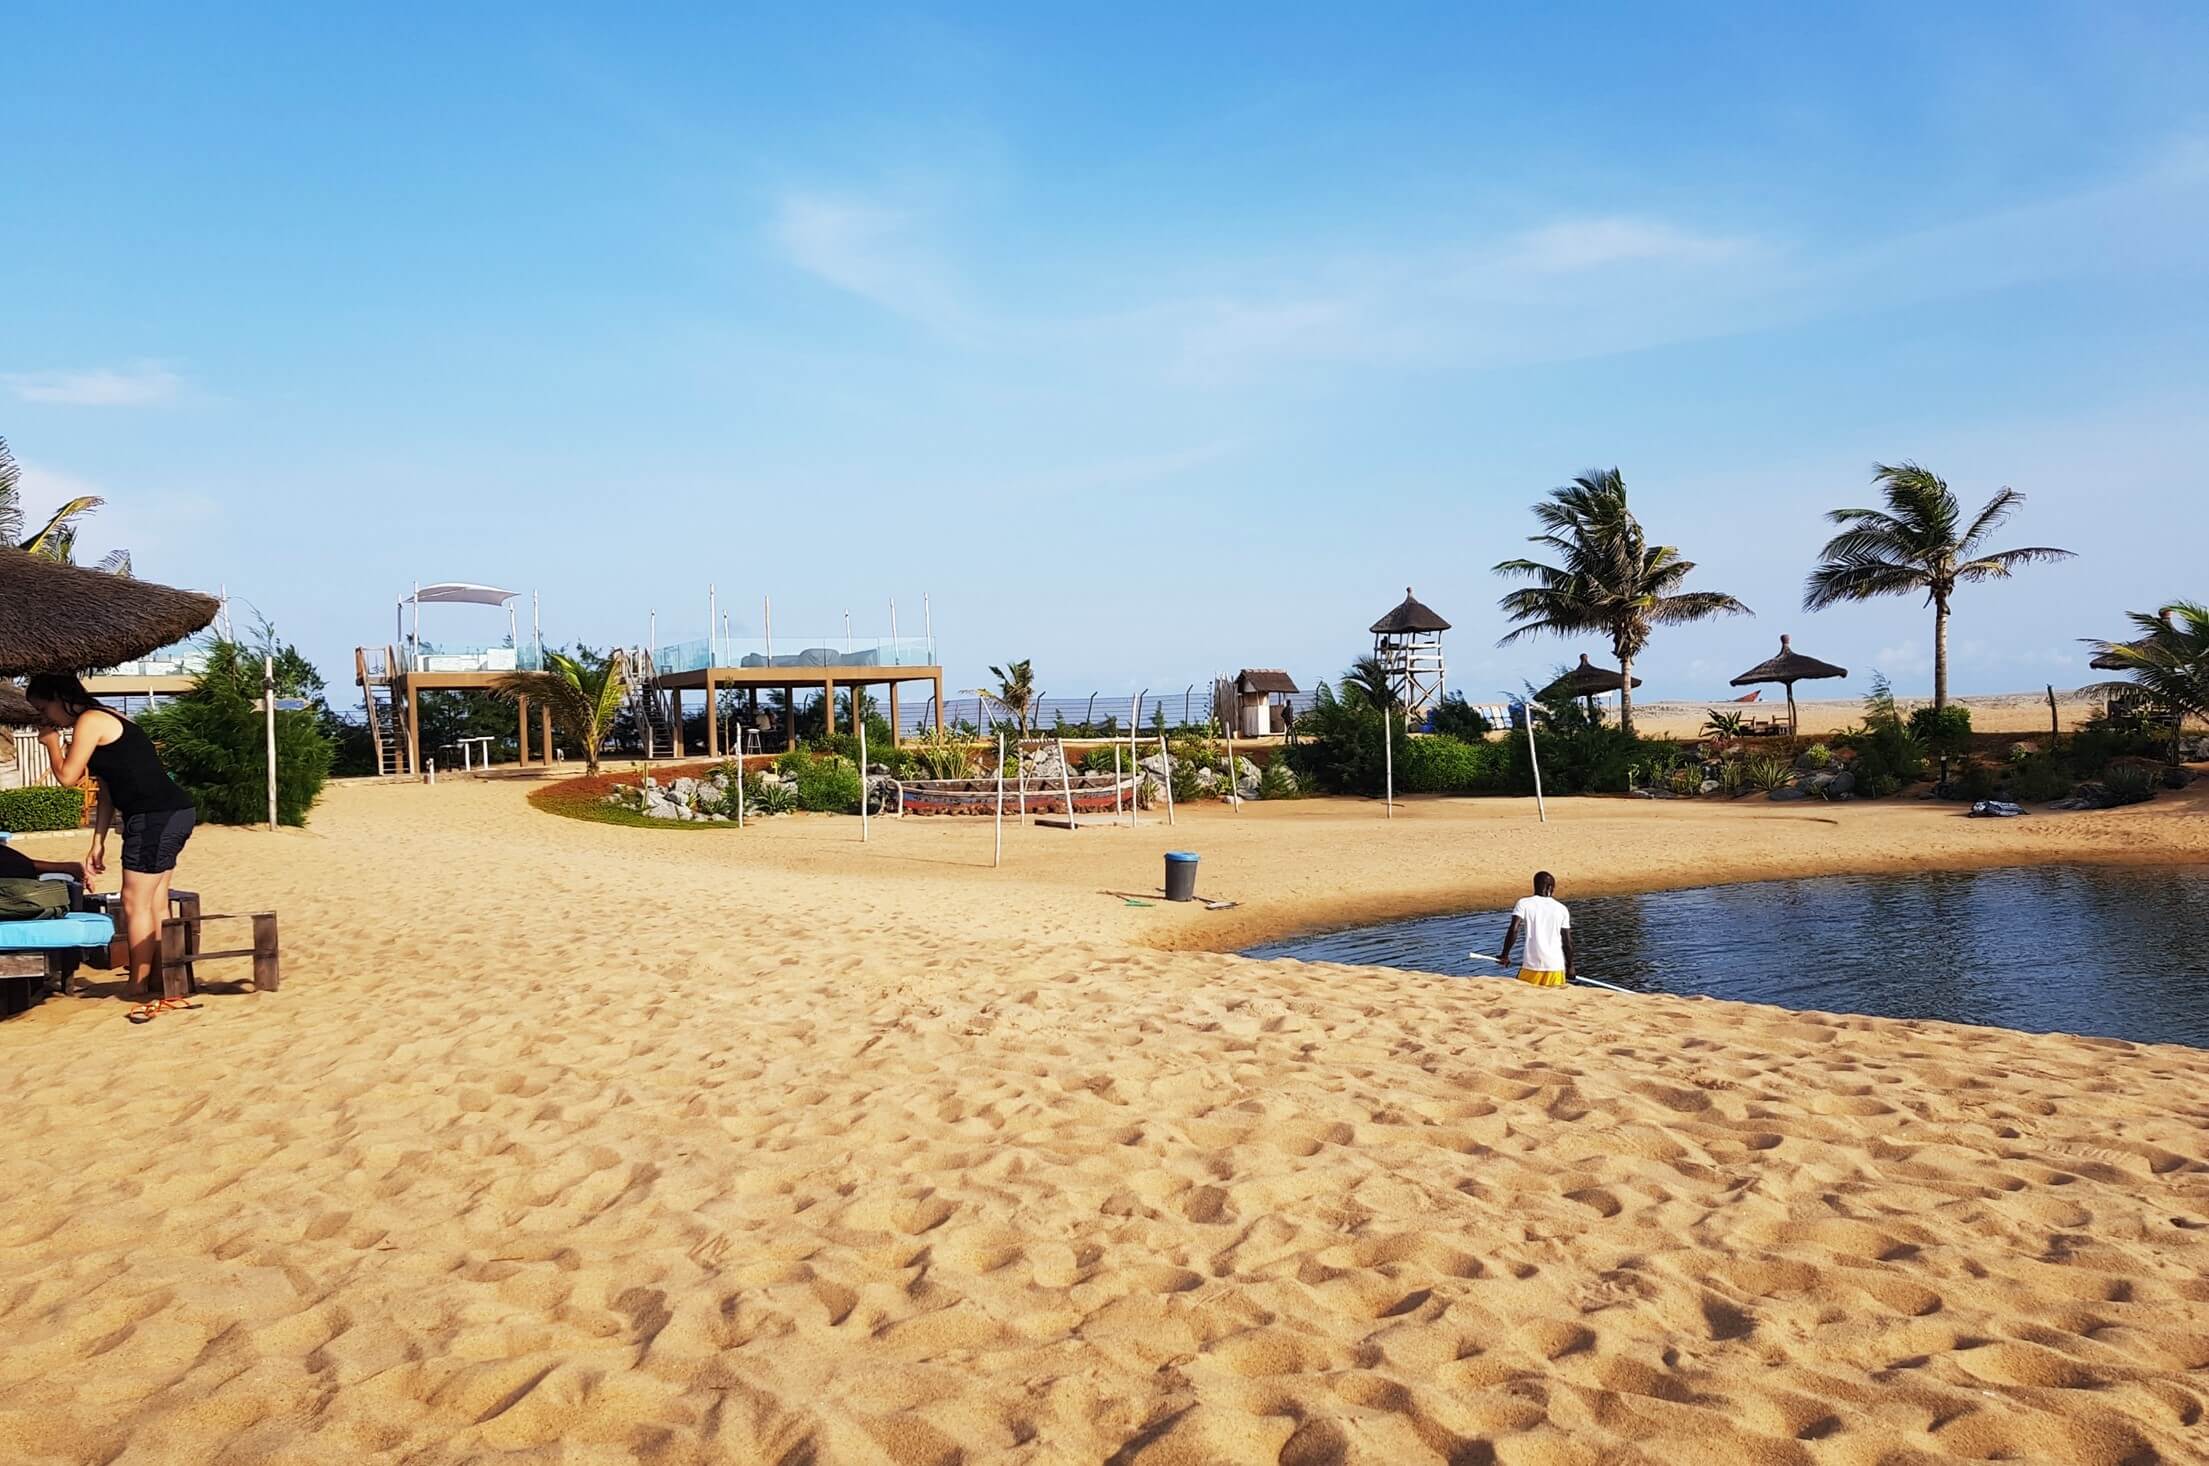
[(1181, 875)]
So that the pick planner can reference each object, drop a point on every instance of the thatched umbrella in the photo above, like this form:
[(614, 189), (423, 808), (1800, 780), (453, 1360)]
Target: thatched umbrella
[(64, 618), (1789, 668), (1586, 681), (15, 710)]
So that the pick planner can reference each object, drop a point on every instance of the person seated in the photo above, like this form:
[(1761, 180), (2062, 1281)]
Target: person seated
[(16, 866)]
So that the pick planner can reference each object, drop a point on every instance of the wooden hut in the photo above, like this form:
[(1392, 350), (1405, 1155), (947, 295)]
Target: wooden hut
[(1260, 694)]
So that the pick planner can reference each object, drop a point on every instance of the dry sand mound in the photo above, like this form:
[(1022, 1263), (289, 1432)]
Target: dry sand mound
[(578, 1144)]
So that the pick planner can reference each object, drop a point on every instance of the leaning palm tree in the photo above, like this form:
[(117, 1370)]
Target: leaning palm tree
[(1014, 692), (1919, 542), (1609, 579), (2168, 662), (1368, 682), (56, 539), (583, 692)]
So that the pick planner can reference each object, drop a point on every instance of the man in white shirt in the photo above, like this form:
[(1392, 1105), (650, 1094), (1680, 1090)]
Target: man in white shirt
[(1550, 962)]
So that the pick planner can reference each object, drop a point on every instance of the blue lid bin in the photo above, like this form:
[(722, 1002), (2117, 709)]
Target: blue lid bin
[(1181, 875)]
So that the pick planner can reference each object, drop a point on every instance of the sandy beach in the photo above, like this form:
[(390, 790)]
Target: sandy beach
[(566, 1142)]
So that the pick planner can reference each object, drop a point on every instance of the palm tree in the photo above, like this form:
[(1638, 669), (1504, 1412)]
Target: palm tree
[(1917, 543), (1609, 580), (2168, 661), (1014, 692), (583, 692), (1368, 681), (57, 538)]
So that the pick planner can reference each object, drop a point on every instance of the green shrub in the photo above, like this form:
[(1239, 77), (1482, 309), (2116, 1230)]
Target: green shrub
[(1817, 756), (1977, 782), (1444, 765), (830, 786), (2130, 783), (1687, 779), (212, 740), (935, 755), (1275, 782), (1888, 754), (2037, 779), (1733, 777), (794, 763), (50, 808), (1877, 786), (1454, 717)]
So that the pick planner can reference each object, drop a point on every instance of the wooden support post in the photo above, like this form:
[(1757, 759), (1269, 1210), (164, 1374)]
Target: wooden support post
[(267, 973), (521, 742), (713, 718), (894, 738), (938, 704), (414, 735), (544, 730), (185, 906), (828, 709), (174, 983), (675, 701)]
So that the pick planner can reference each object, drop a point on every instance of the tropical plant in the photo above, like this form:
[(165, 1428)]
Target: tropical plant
[(829, 786), (56, 539), (1609, 579), (1817, 756), (1014, 692), (2128, 783), (1686, 780), (1733, 776), (1767, 772), (1368, 683), (1919, 542), (213, 741), (2168, 663), (936, 753), (1723, 725), (583, 691), (763, 795), (1945, 733)]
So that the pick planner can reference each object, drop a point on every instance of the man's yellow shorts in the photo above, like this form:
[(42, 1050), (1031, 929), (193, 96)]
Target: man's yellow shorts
[(1532, 978)]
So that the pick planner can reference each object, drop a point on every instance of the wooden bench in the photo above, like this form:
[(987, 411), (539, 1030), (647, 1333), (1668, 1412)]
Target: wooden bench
[(181, 952)]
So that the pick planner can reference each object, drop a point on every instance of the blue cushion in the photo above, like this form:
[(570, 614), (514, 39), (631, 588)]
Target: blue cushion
[(77, 929)]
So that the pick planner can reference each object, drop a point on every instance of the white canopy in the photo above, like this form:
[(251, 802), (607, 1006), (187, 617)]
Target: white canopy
[(458, 591)]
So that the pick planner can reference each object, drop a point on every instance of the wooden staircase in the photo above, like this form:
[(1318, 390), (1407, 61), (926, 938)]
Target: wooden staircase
[(386, 714), (655, 717)]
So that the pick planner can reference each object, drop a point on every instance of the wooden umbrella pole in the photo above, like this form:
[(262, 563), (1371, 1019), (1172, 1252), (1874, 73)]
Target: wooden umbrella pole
[(1065, 782)]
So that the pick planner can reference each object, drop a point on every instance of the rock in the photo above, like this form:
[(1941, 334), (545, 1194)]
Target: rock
[(719, 819), (1246, 778), (1785, 792), (1708, 786), (1641, 794), (663, 812), (1843, 785), (684, 789)]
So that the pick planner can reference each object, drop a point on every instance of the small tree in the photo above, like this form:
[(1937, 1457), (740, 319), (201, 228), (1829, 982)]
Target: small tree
[(214, 742), (1014, 692), (2168, 663), (583, 692)]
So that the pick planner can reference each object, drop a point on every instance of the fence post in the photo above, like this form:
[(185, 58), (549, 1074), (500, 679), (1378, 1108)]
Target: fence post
[(859, 716), (1388, 757), (1168, 779), (267, 973), (1066, 782), (997, 806)]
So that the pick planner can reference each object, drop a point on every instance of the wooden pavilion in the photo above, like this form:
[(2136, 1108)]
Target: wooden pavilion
[(394, 676), (722, 664), (1408, 643)]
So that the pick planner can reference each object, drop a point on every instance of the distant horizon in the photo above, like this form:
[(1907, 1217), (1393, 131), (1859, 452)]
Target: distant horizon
[(1148, 348)]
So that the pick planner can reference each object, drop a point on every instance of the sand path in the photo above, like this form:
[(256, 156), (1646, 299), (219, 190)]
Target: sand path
[(580, 1144)]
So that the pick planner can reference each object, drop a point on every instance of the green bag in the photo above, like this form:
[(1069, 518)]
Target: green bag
[(33, 900)]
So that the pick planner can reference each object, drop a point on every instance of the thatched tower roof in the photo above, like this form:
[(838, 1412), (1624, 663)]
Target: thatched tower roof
[(64, 618), (1789, 667), (1412, 615), (1586, 680)]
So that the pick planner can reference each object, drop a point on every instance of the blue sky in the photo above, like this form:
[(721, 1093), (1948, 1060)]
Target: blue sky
[(1148, 345)]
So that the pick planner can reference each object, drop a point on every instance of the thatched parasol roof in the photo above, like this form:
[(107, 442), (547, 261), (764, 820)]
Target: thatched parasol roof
[(64, 618), (1412, 615), (15, 712), (1789, 667), (1586, 680)]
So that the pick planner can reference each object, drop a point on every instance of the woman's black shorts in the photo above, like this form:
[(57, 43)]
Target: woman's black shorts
[(153, 840)]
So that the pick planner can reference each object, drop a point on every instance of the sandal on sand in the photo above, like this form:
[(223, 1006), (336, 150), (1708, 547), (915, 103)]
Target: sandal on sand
[(147, 1012)]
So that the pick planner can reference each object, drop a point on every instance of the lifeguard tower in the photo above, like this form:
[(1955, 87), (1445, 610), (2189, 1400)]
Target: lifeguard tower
[(1408, 643), (394, 676)]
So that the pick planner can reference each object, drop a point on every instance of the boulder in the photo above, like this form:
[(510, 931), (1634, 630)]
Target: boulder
[(663, 811), (1784, 793), (1708, 786)]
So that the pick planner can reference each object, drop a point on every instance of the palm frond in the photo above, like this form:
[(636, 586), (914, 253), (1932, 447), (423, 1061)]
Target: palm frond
[(116, 562), (1998, 565), (2004, 503), (57, 537), (1839, 581), (11, 495), (1695, 605)]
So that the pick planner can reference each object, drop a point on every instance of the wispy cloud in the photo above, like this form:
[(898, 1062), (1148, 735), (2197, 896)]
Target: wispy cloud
[(1574, 245), (872, 251), (142, 384)]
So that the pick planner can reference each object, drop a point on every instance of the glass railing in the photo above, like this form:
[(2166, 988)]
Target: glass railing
[(449, 656), (796, 651), (170, 661)]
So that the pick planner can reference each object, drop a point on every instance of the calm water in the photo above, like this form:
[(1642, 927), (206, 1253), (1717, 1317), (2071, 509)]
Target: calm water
[(2062, 949)]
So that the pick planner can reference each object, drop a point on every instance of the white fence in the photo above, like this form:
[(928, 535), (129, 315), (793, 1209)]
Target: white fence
[(26, 766)]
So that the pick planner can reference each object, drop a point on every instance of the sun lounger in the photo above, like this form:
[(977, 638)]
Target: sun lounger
[(38, 955)]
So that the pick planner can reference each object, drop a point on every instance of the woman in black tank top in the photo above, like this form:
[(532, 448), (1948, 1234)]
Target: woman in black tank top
[(135, 791)]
